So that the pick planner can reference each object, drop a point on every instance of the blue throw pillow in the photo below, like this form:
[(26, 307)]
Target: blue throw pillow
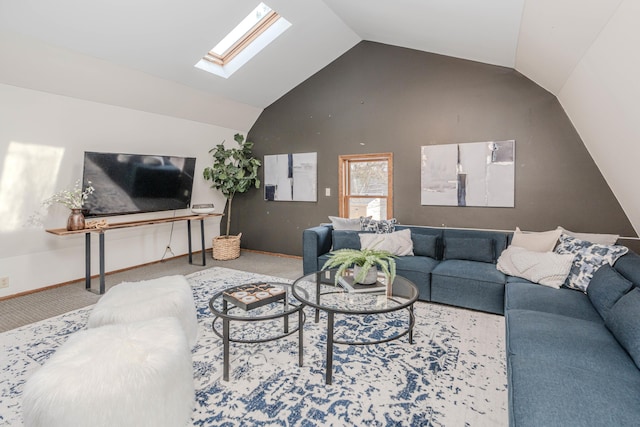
[(345, 239), (589, 257), (623, 321), (425, 245), (468, 248), (605, 289)]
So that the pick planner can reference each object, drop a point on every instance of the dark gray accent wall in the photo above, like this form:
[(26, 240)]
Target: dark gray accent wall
[(381, 98)]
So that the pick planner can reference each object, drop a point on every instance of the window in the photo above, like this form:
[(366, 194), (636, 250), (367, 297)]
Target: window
[(366, 185), (250, 36)]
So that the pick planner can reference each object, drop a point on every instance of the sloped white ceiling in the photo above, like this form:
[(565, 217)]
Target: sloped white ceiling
[(167, 38), (484, 31), (583, 52), (555, 35), (601, 97)]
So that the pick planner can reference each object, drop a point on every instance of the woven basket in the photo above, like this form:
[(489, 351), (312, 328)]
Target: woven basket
[(226, 247)]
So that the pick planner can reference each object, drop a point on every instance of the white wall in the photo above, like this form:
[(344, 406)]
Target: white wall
[(601, 98), (42, 140)]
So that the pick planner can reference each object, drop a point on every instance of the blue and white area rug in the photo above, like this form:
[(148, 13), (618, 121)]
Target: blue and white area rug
[(453, 375)]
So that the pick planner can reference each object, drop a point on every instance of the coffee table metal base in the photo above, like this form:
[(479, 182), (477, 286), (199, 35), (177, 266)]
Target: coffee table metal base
[(331, 341), (229, 312), (227, 340)]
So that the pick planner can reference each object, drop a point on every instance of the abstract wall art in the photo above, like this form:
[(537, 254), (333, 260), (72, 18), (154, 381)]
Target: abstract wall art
[(291, 177), (469, 174)]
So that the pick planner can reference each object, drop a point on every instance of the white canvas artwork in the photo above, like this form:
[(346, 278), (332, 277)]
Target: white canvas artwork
[(470, 174), (291, 177)]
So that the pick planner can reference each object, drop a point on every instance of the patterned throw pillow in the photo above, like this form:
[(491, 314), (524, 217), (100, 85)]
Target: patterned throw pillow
[(589, 257), (378, 226)]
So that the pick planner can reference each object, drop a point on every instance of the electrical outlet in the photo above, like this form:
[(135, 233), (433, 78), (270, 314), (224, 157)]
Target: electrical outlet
[(4, 282)]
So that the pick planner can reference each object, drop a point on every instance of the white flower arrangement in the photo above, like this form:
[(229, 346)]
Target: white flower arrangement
[(72, 199)]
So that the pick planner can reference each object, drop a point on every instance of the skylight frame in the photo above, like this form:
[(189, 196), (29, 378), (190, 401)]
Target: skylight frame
[(245, 40)]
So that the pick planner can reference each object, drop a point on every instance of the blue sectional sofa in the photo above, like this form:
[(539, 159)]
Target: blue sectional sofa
[(573, 358)]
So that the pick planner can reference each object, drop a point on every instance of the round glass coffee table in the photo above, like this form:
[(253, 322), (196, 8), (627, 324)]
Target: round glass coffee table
[(319, 290), (255, 302)]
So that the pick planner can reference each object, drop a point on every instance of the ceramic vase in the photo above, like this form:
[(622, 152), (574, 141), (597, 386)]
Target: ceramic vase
[(75, 220)]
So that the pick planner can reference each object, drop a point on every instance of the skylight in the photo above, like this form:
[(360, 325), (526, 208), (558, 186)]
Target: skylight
[(250, 36)]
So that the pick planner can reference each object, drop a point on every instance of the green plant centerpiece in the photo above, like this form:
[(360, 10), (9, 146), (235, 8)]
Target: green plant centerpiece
[(234, 171), (344, 259)]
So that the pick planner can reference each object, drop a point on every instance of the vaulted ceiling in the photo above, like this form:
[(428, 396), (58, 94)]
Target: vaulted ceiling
[(585, 53)]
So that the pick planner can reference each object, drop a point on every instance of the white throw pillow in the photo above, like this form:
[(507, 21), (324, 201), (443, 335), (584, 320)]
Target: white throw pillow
[(546, 268), (601, 239), (543, 241), (398, 243), (345, 223)]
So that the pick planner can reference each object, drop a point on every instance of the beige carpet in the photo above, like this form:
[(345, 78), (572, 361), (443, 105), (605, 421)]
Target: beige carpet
[(19, 311)]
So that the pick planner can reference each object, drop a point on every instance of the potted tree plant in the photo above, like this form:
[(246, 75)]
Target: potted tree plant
[(234, 171), (364, 263)]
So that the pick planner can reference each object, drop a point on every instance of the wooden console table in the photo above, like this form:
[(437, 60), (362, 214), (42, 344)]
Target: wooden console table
[(101, 232)]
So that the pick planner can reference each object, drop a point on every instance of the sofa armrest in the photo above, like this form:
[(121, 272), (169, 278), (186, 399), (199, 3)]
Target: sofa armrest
[(316, 241)]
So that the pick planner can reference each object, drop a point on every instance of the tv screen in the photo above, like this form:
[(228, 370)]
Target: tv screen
[(135, 183)]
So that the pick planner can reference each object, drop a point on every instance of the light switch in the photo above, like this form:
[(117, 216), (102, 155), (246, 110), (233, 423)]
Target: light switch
[(327, 192)]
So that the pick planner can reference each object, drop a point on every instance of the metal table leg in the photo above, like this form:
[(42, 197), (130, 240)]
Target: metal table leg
[(87, 261), (225, 341), (411, 322), (101, 263), (189, 240), (300, 337), (329, 347), (317, 297), (204, 261)]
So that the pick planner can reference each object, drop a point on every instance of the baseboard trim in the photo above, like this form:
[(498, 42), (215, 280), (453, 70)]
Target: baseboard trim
[(273, 254), (58, 285)]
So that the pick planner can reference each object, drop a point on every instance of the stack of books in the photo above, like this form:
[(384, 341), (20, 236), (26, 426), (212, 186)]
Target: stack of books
[(348, 283)]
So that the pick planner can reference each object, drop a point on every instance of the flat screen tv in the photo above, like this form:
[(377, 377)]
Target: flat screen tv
[(135, 183)]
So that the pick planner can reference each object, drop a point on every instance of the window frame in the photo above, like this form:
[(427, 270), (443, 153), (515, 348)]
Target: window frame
[(243, 42), (343, 181)]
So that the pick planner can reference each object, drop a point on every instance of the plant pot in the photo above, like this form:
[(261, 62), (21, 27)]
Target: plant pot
[(226, 247), (370, 278)]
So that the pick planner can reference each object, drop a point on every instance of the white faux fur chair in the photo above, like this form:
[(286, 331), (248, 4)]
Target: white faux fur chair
[(133, 301), (135, 374)]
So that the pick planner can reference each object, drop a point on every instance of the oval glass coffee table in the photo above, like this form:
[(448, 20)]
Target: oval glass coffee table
[(319, 290), (256, 302)]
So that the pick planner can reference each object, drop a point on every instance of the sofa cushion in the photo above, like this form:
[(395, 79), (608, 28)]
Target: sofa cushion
[(515, 279), (425, 245), (499, 238), (624, 322), (589, 257), (399, 243), (468, 248), (427, 241), (560, 339), (470, 284), (418, 270), (480, 271), (566, 302), (629, 266), (544, 241), (550, 394), (346, 239), (605, 289)]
